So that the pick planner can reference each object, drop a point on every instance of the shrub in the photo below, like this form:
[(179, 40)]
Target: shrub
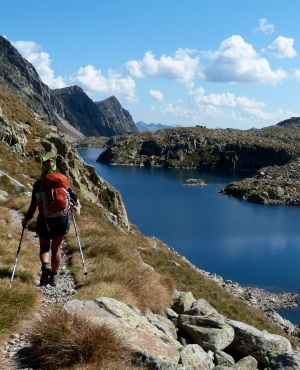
[(63, 340)]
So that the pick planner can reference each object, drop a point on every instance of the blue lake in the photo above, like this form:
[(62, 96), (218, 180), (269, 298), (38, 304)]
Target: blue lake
[(255, 245)]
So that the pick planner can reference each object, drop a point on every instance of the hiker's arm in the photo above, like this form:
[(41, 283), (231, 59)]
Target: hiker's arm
[(33, 204)]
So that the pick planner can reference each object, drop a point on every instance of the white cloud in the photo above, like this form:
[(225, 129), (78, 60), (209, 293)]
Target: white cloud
[(32, 52), (156, 94), (265, 27), (198, 97), (176, 111), (282, 47), (219, 109), (181, 67), (92, 81), (297, 74), (237, 61)]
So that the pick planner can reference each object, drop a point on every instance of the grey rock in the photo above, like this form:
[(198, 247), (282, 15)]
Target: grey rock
[(193, 357), (207, 331), (251, 341), (202, 307), (222, 358), (285, 361), (183, 302)]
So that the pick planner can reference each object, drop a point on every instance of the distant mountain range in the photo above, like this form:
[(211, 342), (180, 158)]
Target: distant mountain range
[(66, 107), (142, 126)]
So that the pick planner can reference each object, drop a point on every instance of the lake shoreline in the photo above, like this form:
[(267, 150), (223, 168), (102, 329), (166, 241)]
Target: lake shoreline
[(233, 241)]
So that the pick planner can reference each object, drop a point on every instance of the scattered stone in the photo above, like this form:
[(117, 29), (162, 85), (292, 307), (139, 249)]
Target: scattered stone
[(194, 182)]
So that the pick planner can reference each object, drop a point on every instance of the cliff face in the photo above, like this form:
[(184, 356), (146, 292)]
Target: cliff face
[(118, 119), (67, 106), (31, 139), (81, 112)]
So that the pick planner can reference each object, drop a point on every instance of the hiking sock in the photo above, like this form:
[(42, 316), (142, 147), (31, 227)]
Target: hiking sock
[(46, 265)]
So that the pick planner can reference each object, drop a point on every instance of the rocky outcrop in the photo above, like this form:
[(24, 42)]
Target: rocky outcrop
[(270, 185), (81, 175), (200, 338), (197, 147), (13, 134)]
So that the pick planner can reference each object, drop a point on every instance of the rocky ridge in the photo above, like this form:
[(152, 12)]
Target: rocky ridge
[(201, 148), (66, 106)]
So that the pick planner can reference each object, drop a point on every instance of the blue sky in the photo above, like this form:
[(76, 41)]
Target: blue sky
[(217, 63)]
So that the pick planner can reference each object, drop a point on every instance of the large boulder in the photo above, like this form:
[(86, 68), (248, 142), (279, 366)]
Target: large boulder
[(163, 324), (183, 302), (251, 341), (149, 345), (246, 363), (193, 357), (284, 361), (202, 307), (223, 358), (208, 332)]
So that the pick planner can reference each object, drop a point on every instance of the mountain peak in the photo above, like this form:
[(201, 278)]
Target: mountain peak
[(68, 105)]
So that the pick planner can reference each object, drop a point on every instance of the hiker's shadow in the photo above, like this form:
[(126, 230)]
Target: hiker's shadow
[(22, 276), (23, 358), (5, 273)]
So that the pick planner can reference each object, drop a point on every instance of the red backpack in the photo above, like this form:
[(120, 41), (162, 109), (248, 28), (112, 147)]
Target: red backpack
[(54, 200)]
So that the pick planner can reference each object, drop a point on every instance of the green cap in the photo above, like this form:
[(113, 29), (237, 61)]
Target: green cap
[(49, 155)]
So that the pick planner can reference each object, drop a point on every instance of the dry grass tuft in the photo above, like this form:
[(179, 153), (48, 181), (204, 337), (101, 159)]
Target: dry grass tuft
[(63, 340), (114, 266)]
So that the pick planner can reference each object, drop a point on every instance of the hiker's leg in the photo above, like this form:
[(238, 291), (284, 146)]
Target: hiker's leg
[(55, 252), (44, 249)]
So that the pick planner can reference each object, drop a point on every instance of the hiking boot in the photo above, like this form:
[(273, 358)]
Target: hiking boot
[(46, 269), (53, 279)]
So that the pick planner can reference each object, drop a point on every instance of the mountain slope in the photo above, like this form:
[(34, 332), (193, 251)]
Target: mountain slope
[(118, 119), (67, 106)]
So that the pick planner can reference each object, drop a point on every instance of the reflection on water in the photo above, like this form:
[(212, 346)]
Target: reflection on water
[(252, 244)]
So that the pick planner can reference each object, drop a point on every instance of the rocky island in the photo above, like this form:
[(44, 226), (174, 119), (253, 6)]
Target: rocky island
[(272, 153)]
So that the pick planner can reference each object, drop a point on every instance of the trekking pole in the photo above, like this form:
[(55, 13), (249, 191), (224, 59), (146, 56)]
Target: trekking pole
[(78, 240), (16, 260)]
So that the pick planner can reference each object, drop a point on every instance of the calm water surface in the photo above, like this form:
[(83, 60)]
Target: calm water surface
[(252, 244)]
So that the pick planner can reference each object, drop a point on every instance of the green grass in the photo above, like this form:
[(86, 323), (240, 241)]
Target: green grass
[(22, 299), (17, 303)]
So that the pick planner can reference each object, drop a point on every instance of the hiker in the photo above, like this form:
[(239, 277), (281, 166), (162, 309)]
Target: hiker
[(53, 224)]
